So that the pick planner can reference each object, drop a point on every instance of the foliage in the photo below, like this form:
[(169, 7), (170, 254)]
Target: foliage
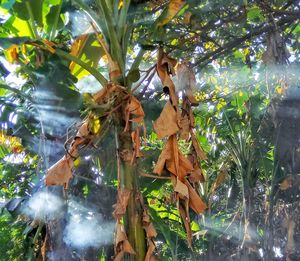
[(92, 63)]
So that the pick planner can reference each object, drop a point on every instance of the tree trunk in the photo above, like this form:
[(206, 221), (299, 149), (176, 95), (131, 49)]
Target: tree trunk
[(129, 181)]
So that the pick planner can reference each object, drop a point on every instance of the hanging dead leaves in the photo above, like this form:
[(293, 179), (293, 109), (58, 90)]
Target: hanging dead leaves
[(61, 172), (172, 124)]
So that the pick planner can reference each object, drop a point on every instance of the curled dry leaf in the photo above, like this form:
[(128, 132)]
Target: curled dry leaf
[(60, 173), (187, 82), (172, 9), (148, 226), (83, 130), (136, 140), (220, 178), (149, 255), (195, 202), (188, 112), (181, 189), (163, 157), (165, 67), (166, 124), (200, 153), (196, 176), (186, 222), (134, 108), (122, 202), (150, 233), (185, 128), (105, 93), (122, 244), (173, 160)]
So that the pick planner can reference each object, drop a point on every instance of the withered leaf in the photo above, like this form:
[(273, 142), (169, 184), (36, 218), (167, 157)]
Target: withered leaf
[(122, 244), (60, 173), (136, 140), (186, 222), (220, 178), (172, 9), (151, 248), (187, 82), (196, 176), (165, 67), (166, 124), (163, 157), (148, 226), (107, 91), (134, 108), (195, 201), (200, 153), (181, 189), (122, 202), (185, 128), (83, 130)]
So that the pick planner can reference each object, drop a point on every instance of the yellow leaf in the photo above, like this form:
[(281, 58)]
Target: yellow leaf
[(279, 90), (172, 10), (22, 27), (94, 124), (11, 53), (76, 162), (87, 48)]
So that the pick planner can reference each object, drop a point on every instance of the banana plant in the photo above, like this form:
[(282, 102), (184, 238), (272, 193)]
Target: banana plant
[(34, 33)]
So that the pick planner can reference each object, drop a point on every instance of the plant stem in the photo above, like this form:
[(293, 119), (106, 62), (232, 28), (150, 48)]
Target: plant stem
[(55, 23), (33, 28), (134, 212)]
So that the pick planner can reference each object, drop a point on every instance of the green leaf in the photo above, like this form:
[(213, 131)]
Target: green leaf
[(51, 19), (255, 15), (7, 4), (3, 151), (22, 10)]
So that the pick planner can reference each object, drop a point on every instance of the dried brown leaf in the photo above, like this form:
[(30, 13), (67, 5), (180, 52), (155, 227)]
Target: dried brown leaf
[(165, 155), (173, 8), (195, 201), (187, 225), (196, 176), (122, 202), (220, 178), (136, 140), (181, 189), (60, 173), (151, 248), (83, 130), (187, 82), (185, 128), (166, 124), (200, 153), (122, 244), (134, 108)]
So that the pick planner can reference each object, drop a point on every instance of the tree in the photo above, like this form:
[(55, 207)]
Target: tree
[(121, 38)]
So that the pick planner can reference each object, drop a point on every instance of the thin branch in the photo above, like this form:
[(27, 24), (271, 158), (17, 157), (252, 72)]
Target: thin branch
[(238, 41), (153, 176)]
